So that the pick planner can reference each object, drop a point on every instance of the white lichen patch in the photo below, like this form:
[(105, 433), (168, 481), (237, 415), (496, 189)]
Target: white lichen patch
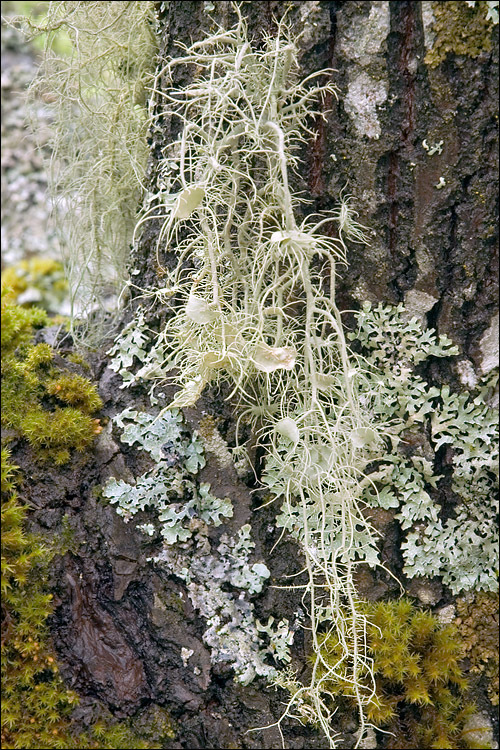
[(186, 654), (428, 19), (447, 614), (418, 302), (489, 347), (364, 95), (363, 45), (425, 261), (479, 730), (466, 373), (233, 635), (315, 23), (360, 42)]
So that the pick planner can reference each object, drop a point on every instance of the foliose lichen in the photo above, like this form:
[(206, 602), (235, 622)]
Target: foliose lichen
[(336, 425), (174, 506), (460, 548)]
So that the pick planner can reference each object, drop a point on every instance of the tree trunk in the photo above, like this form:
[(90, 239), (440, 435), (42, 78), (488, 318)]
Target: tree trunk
[(412, 138)]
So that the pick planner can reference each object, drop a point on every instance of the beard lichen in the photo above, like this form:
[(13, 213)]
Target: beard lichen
[(252, 305), (96, 88)]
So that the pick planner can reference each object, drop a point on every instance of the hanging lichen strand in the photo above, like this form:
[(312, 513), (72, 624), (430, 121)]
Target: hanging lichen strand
[(255, 306), (95, 82)]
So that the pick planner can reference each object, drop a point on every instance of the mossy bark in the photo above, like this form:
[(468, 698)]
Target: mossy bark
[(118, 626)]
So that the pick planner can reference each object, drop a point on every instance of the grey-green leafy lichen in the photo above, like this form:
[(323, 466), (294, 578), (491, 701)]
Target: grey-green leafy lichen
[(178, 457), (171, 503), (234, 636), (461, 549)]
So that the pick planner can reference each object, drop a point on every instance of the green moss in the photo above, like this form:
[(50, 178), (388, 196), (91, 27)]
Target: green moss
[(39, 281), (421, 692), (76, 391), (53, 411), (36, 705), (460, 30), (18, 324), (57, 429), (155, 725), (50, 408)]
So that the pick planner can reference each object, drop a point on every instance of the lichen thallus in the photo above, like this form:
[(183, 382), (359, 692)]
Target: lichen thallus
[(254, 305)]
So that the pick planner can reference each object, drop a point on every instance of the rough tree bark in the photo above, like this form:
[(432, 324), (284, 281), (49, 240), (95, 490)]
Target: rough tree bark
[(118, 626)]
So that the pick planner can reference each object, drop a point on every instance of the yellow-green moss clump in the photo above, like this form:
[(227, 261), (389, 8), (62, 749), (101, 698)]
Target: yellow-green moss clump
[(51, 408), (477, 624), (36, 705), (38, 281), (459, 29), (420, 688)]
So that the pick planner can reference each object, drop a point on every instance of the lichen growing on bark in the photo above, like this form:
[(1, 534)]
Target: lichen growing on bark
[(459, 29)]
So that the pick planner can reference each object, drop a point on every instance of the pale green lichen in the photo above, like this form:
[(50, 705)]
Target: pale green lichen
[(97, 93), (173, 505), (235, 638), (163, 436), (252, 309), (461, 549), (277, 339), (178, 457)]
